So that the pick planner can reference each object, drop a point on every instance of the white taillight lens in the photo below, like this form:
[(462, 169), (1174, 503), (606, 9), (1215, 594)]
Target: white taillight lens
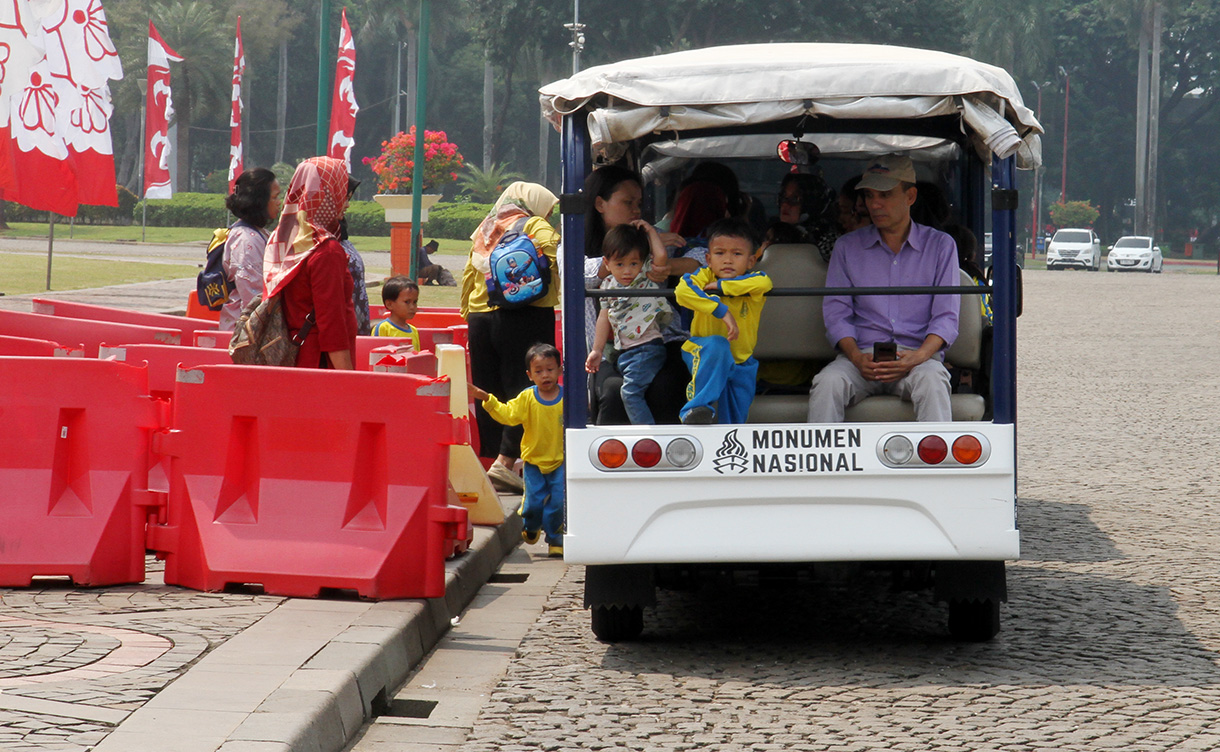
[(898, 449), (680, 453)]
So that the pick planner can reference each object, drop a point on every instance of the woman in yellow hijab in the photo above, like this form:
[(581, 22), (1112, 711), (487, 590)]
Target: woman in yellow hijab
[(500, 337)]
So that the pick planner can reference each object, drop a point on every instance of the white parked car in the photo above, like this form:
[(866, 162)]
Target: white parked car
[(1074, 249), (1135, 253)]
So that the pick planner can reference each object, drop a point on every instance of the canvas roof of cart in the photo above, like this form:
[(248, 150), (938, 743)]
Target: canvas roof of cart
[(786, 88)]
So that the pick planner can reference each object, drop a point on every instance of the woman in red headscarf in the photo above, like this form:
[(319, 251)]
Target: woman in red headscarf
[(306, 263)]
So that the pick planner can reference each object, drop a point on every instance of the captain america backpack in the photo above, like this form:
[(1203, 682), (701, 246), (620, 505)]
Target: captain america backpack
[(518, 273)]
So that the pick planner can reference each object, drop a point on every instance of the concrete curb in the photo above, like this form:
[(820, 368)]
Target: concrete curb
[(309, 675)]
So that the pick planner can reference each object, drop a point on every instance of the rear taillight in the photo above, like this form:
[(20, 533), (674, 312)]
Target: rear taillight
[(612, 453), (967, 449), (943, 449), (932, 450), (646, 453)]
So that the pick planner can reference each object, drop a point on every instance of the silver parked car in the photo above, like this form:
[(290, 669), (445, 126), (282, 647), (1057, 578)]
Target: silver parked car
[(1135, 253), (1073, 248)]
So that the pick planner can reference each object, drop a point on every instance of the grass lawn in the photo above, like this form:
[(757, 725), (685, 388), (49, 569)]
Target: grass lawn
[(128, 234), (21, 274), (178, 235)]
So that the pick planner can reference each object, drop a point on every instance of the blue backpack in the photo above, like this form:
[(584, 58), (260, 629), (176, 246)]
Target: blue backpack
[(518, 272)]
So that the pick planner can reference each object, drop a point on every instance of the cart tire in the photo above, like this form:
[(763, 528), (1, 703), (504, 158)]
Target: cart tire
[(617, 624), (974, 621)]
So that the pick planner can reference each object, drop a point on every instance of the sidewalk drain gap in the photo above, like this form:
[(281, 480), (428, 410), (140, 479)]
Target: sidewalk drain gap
[(509, 577), (410, 708)]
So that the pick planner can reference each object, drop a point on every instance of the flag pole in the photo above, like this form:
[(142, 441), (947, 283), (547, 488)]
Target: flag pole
[(50, 248), (143, 84), (323, 80), (421, 100)]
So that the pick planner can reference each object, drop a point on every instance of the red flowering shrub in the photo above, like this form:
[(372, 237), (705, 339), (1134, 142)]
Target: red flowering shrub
[(395, 168)]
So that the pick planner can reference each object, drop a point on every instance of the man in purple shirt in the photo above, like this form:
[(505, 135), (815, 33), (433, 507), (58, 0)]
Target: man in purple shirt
[(892, 252)]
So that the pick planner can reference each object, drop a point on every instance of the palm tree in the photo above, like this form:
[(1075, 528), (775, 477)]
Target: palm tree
[(485, 186)]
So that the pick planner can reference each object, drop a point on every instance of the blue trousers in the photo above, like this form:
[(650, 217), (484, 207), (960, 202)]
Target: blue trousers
[(639, 366), (543, 505), (717, 381)]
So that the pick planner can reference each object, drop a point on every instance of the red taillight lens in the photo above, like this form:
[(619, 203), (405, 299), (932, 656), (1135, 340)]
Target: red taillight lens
[(646, 453), (933, 450), (967, 450), (612, 453)]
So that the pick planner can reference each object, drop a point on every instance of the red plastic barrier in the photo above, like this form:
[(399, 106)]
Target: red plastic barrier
[(213, 339), (304, 479), (422, 363), (91, 334), (366, 345), (435, 318), (120, 315), (73, 469), (196, 310), (38, 348), (163, 362)]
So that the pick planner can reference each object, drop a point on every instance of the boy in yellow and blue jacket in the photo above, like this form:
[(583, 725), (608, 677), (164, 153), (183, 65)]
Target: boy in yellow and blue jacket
[(727, 300), (539, 409)]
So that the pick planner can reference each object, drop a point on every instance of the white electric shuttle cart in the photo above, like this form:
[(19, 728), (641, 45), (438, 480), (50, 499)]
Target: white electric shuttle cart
[(650, 504)]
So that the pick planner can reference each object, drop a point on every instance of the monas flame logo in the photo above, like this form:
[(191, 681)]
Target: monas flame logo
[(731, 457)]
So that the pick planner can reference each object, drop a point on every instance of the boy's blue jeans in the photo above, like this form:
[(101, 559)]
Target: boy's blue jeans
[(639, 366), (543, 505), (717, 378)]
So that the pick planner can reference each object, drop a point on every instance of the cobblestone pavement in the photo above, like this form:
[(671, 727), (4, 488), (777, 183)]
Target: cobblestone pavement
[(1110, 636), (75, 662)]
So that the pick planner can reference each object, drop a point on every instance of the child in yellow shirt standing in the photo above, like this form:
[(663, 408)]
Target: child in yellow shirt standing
[(727, 300), (540, 410), (401, 298)]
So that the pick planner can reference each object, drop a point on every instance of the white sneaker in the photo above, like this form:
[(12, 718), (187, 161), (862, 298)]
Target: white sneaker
[(505, 480)]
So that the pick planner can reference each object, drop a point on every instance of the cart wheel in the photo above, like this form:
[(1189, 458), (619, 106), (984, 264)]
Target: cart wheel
[(974, 621), (617, 624)]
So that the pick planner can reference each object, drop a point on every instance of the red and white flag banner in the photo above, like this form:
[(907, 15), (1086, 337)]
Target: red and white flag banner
[(56, 64), (236, 163), (158, 112), (343, 106)]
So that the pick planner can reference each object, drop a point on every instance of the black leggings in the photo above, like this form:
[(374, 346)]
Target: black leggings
[(499, 340)]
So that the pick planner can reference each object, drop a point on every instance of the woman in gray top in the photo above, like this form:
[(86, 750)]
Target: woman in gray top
[(255, 201)]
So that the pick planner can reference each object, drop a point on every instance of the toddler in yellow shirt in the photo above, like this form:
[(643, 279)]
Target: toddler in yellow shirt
[(539, 409)]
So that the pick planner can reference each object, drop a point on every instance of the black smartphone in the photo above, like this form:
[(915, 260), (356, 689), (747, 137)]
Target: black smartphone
[(883, 351)]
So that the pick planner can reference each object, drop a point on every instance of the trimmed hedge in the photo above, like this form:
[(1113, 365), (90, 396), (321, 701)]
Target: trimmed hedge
[(367, 218), (445, 220), (87, 215), (187, 210), (455, 221)]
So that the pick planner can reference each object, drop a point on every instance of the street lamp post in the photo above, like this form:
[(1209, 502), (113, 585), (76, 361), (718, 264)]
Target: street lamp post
[(1067, 92), (1037, 232), (578, 36)]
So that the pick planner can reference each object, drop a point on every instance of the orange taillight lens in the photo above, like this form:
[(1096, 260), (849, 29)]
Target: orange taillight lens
[(967, 450), (612, 453)]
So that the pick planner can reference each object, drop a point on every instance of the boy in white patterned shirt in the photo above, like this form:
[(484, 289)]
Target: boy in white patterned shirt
[(630, 251)]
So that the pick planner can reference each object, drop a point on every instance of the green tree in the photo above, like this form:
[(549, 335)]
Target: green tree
[(1074, 214)]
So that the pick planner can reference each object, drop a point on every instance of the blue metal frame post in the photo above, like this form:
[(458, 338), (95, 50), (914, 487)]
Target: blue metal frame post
[(574, 152), (1004, 298)]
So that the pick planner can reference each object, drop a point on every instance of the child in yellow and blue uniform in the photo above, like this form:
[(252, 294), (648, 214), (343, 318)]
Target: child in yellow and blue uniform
[(539, 409), (727, 300), (401, 298)]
